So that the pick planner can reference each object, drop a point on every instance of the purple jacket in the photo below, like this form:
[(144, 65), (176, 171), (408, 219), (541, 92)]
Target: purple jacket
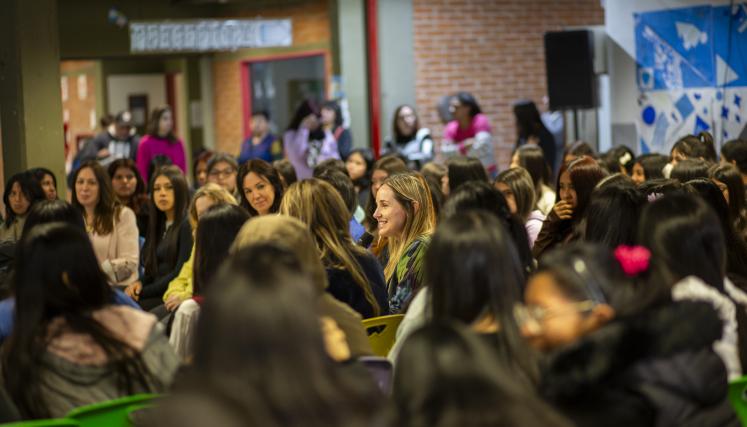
[(303, 155)]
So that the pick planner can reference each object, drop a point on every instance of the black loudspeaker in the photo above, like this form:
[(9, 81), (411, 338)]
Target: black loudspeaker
[(569, 59)]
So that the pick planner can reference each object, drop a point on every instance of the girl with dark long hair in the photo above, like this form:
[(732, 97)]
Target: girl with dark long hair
[(531, 130), (47, 180), (69, 346), (216, 231), (531, 158), (576, 181), (359, 165), (613, 358), (130, 190), (169, 240), (461, 170), (22, 191), (471, 387), (729, 180)]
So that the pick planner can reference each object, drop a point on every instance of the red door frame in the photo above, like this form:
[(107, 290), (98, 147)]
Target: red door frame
[(170, 99), (246, 89), (374, 89)]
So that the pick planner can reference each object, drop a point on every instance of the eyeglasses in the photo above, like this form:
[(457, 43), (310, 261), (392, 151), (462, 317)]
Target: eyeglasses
[(531, 317), (222, 173)]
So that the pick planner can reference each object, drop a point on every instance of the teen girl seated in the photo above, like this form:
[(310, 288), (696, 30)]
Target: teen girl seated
[(169, 239), (448, 363), (21, 192), (130, 190), (563, 224), (70, 347), (614, 358)]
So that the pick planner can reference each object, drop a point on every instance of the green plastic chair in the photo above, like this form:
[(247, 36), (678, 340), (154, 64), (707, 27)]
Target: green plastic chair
[(113, 413), (50, 422), (738, 398), (382, 332)]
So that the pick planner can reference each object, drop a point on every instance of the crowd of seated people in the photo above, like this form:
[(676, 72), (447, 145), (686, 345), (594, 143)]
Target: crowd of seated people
[(611, 290)]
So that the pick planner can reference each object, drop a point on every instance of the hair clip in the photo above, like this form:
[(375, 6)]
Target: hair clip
[(653, 197), (625, 158), (633, 259)]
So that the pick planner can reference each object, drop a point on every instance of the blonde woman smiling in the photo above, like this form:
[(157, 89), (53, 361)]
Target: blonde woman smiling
[(405, 217)]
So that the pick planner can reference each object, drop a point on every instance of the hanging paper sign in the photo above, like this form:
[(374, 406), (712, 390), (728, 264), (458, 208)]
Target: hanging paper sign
[(209, 35)]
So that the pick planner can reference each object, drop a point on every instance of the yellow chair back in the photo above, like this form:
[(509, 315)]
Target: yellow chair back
[(382, 332)]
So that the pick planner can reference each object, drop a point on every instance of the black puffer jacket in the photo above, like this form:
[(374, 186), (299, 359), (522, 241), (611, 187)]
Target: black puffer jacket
[(655, 369)]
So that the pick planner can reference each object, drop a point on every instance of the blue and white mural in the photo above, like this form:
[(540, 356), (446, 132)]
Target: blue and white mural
[(692, 73)]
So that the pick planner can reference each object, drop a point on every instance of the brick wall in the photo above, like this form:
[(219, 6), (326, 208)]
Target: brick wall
[(491, 48), (311, 28)]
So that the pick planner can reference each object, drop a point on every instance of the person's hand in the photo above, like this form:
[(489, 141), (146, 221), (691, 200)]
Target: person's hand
[(172, 303), (133, 290), (468, 143), (334, 340), (310, 122), (563, 210), (533, 140), (103, 153)]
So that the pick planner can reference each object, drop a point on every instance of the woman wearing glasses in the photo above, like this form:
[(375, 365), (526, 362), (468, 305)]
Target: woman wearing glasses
[(611, 359), (222, 169)]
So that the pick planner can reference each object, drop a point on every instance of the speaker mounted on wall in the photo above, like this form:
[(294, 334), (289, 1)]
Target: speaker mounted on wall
[(569, 61)]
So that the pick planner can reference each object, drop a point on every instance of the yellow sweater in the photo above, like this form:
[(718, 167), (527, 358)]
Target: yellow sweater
[(182, 285)]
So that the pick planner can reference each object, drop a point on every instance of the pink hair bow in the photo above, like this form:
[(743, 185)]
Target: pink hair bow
[(633, 259)]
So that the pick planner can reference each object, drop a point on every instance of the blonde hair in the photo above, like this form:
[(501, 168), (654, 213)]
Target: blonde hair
[(289, 233), (408, 190), (319, 205), (219, 195)]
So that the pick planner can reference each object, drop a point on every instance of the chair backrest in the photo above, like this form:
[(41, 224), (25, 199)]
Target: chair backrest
[(381, 371), (50, 422), (738, 399), (382, 332), (113, 413)]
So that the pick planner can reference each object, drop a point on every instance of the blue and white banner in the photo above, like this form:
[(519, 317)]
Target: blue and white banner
[(692, 73)]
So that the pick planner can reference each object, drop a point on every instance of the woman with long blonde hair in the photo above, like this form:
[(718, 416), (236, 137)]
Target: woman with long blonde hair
[(354, 275), (405, 216)]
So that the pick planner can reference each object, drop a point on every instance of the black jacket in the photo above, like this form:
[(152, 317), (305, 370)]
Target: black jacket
[(343, 287), (654, 369), (155, 285), (91, 149)]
